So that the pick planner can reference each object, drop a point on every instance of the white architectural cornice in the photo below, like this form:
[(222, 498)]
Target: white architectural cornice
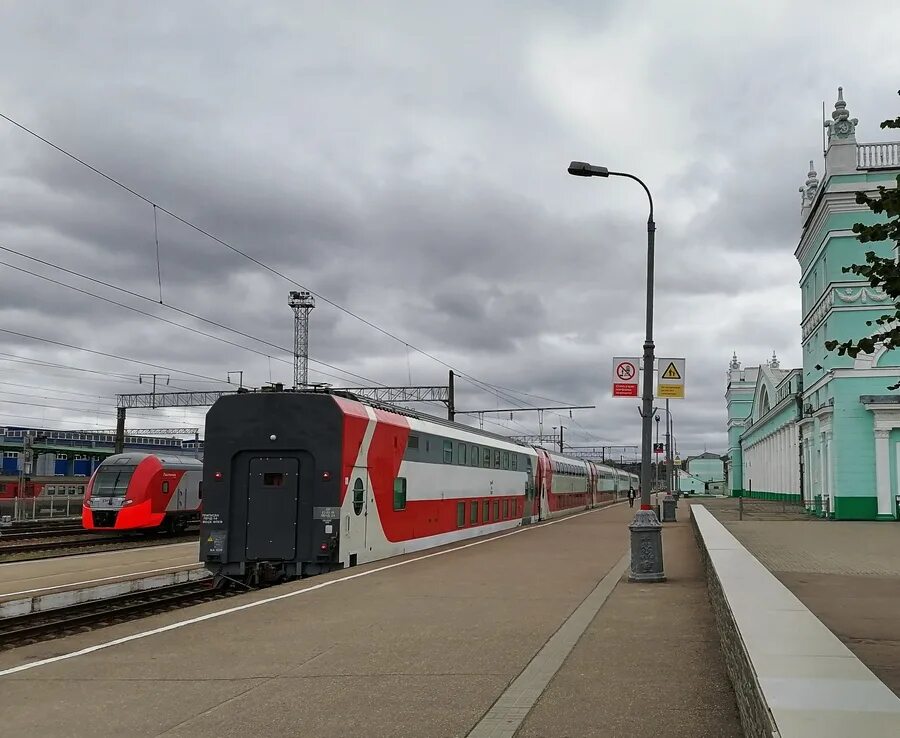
[(836, 197)]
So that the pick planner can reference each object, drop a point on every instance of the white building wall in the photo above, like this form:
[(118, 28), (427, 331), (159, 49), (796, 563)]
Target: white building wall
[(772, 464)]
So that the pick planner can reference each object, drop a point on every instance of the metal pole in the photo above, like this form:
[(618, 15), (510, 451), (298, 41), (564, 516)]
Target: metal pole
[(646, 530), (120, 430), (451, 399), (561, 428)]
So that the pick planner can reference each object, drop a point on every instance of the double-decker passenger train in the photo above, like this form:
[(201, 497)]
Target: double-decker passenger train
[(141, 491), (298, 483)]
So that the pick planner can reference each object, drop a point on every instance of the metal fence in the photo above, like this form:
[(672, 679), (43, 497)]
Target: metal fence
[(751, 508), (41, 508)]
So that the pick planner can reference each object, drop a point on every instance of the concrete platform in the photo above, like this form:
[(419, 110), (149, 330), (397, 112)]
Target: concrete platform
[(650, 664), (420, 645), (846, 572), (797, 678), (44, 584)]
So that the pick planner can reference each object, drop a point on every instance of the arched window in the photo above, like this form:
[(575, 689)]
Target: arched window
[(764, 405)]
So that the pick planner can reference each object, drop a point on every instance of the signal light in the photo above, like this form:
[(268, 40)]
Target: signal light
[(323, 546), (218, 476), (326, 476)]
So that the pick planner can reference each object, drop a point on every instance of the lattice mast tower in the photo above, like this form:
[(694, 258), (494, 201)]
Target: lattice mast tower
[(301, 302)]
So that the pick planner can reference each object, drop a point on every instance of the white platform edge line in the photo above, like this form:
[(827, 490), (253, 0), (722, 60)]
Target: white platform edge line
[(257, 603)]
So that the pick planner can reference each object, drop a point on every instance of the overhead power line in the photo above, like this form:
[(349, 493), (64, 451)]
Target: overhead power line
[(174, 308), (184, 221)]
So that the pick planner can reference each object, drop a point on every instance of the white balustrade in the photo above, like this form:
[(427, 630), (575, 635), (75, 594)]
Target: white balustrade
[(878, 156)]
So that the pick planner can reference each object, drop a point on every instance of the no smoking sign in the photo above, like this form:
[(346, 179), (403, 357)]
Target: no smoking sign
[(625, 377)]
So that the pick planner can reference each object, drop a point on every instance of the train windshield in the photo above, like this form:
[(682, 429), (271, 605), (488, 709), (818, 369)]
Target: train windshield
[(112, 482)]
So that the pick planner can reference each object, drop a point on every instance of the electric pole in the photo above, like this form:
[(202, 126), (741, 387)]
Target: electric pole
[(301, 302), (153, 377)]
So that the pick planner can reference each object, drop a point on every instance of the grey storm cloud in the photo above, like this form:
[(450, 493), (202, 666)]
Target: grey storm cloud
[(407, 161)]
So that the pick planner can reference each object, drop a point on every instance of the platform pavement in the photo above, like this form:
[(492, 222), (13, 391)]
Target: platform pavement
[(417, 646), (33, 575), (650, 664), (846, 572)]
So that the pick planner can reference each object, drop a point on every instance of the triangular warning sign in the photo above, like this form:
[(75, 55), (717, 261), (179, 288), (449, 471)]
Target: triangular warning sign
[(671, 372)]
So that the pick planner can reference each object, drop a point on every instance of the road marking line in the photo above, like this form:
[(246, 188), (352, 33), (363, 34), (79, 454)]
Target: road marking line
[(276, 598), (127, 575), (512, 707)]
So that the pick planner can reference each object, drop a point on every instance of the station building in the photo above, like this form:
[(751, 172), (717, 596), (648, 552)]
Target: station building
[(78, 453), (826, 435)]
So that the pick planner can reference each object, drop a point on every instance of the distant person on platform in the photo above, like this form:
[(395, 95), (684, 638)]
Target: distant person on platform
[(631, 496)]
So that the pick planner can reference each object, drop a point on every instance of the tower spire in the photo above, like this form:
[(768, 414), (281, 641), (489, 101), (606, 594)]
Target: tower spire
[(735, 364), (773, 362), (809, 190), (840, 156)]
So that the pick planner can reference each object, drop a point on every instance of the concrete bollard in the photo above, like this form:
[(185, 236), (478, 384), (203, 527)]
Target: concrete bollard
[(668, 509)]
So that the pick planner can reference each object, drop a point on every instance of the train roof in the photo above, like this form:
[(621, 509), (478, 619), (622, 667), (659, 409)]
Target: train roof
[(135, 457), (387, 407)]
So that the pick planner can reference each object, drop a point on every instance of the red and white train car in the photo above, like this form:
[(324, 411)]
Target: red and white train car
[(141, 491), (301, 482)]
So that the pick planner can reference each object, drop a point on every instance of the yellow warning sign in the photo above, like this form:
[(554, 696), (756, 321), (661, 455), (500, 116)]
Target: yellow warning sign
[(670, 379), (671, 372), (671, 391)]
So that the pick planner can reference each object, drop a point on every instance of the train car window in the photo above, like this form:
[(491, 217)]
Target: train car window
[(486, 458), (200, 489), (473, 455), (413, 442), (448, 452), (400, 493), (165, 486), (515, 461), (358, 496), (473, 513), (270, 479), (496, 509), (51, 489), (461, 454), (460, 514), (427, 445), (497, 459), (71, 490), (506, 459), (505, 509), (486, 512)]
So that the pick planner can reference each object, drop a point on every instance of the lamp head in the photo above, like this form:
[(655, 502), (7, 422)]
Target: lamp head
[(583, 169)]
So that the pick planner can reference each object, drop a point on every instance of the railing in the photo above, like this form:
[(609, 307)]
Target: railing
[(41, 508), (878, 156)]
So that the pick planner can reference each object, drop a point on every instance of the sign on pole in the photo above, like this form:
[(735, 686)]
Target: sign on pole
[(625, 376), (670, 379)]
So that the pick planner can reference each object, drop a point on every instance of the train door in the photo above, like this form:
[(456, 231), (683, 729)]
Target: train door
[(180, 498), (272, 494), (355, 520), (528, 511)]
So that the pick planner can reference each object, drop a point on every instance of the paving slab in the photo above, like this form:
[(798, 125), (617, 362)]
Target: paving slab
[(650, 663), (419, 646)]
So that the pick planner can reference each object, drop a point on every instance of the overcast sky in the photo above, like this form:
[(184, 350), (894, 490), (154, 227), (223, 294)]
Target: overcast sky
[(407, 160)]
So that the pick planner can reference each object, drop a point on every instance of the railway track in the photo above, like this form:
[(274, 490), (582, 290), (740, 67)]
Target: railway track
[(25, 629)]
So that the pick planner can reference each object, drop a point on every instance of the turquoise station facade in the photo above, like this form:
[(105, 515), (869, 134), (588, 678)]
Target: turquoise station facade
[(826, 434)]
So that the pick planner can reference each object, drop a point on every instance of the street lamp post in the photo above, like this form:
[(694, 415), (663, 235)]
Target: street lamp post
[(646, 530)]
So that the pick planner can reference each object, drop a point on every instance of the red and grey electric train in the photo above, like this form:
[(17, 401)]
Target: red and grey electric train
[(141, 491), (297, 483)]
